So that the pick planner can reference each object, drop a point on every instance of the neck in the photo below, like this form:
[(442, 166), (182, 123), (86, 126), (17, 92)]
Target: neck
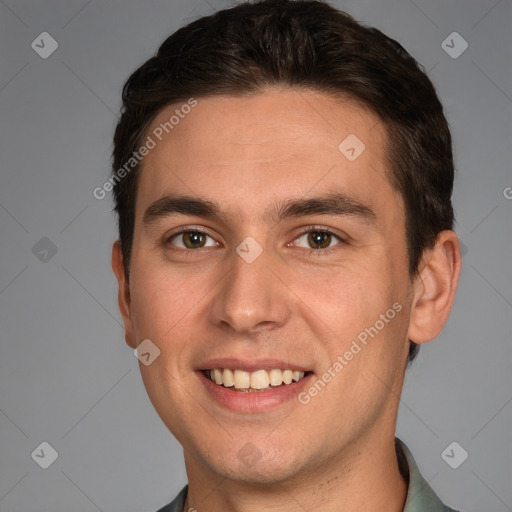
[(363, 476)]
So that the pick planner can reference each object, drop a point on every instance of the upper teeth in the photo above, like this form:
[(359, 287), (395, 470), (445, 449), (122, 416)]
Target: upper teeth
[(260, 379)]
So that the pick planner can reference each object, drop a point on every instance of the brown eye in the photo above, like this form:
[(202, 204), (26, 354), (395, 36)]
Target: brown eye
[(191, 240), (319, 239), (194, 239)]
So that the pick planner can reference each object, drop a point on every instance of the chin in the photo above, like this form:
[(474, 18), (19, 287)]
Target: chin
[(265, 464)]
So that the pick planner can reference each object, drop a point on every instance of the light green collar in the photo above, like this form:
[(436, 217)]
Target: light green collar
[(420, 496)]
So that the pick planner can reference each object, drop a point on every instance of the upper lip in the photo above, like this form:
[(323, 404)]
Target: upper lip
[(251, 365)]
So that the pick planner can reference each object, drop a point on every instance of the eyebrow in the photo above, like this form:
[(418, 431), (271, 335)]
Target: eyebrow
[(325, 204)]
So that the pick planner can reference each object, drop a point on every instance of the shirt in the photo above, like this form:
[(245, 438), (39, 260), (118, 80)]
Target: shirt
[(420, 496)]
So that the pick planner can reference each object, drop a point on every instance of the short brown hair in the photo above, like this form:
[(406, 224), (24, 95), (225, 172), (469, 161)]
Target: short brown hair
[(303, 44)]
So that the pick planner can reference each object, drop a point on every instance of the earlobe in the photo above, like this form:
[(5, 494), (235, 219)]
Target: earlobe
[(123, 294), (434, 288)]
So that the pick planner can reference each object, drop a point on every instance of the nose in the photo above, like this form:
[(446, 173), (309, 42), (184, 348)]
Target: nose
[(251, 298)]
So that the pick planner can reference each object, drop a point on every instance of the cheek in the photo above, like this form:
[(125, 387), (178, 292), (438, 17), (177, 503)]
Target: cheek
[(160, 300), (168, 307), (349, 297), (359, 304)]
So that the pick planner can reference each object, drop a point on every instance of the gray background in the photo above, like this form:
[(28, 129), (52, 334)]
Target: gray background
[(66, 375)]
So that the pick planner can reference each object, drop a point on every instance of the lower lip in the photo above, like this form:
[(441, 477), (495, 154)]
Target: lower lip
[(256, 401)]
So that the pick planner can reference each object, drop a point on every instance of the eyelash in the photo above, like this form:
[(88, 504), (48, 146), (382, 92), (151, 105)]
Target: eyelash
[(319, 229), (309, 229)]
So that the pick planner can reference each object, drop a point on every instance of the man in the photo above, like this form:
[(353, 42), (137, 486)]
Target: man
[(283, 179)]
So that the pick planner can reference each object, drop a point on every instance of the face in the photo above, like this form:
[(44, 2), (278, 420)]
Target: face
[(267, 239)]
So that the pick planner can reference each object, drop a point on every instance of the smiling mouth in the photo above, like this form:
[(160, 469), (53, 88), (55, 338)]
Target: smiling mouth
[(259, 380)]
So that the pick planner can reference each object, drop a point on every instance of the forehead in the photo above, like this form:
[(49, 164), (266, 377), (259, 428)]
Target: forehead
[(243, 152)]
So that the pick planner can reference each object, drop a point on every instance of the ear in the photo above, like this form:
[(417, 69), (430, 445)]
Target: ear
[(123, 295), (434, 288)]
